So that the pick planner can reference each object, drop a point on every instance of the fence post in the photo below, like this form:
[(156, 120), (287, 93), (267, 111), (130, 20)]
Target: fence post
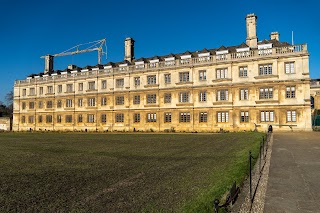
[(250, 177)]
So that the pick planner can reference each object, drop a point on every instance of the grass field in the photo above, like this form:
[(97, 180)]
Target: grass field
[(77, 172)]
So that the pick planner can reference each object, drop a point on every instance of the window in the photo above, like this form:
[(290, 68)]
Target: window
[(119, 100), (184, 77), (80, 102), (31, 119), (265, 69), (136, 117), (222, 95), (202, 75), (68, 118), (80, 86), (59, 118), (119, 83), (49, 104), (267, 116), (223, 117), (40, 104), (103, 118), (103, 101), (203, 117), (48, 118), (59, 88), (184, 117), (91, 102), (24, 92), (23, 119), (91, 85), (167, 78), (41, 90), (244, 116), (136, 99), (266, 93), (120, 117), (167, 117), (291, 116), (59, 103), (152, 117), (80, 119), (69, 103), (222, 73), (243, 71), (136, 81), (103, 84), (31, 105), (289, 67), (69, 87), (40, 119), (167, 98), (151, 79), (49, 89), (291, 92), (32, 91), (203, 96), (90, 118), (244, 94), (23, 105), (151, 98), (184, 97)]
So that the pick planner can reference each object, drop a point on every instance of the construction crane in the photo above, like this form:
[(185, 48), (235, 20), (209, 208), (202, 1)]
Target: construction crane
[(89, 47)]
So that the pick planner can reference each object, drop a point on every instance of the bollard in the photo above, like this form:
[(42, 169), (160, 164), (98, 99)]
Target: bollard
[(216, 205)]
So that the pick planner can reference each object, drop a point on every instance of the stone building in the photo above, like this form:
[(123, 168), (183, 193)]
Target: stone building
[(237, 88)]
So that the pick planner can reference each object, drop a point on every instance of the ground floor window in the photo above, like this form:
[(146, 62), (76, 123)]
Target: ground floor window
[(40, 118), (103, 118), (80, 119), (59, 118), (223, 117), (203, 117), (68, 118), (136, 117), (49, 118), (91, 118), (184, 117), (244, 116), (152, 117), (267, 116), (119, 117), (291, 116), (167, 117)]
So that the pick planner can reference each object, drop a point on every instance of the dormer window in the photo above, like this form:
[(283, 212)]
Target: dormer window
[(153, 63), (169, 61), (221, 55), (204, 57), (185, 59), (265, 49), (139, 65), (243, 52), (123, 67)]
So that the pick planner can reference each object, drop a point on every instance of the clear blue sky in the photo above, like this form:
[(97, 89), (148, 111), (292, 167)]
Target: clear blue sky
[(30, 29)]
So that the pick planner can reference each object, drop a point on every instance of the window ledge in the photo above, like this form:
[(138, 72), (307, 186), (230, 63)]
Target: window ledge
[(266, 76), (266, 101), (151, 85), (184, 83), (91, 90), (151, 105), (184, 104), (222, 80), (222, 102), (306, 73), (69, 92)]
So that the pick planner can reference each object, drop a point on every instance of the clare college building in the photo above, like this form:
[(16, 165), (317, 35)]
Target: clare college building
[(237, 88)]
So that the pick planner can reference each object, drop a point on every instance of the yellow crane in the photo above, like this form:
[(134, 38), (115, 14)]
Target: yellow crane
[(89, 47)]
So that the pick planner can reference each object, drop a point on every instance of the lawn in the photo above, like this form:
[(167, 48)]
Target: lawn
[(77, 172)]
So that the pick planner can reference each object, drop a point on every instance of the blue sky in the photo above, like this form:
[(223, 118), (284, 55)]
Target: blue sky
[(30, 29)]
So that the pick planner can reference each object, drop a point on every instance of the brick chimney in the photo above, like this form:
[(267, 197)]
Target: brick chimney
[(251, 22), (129, 49), (275, 35)]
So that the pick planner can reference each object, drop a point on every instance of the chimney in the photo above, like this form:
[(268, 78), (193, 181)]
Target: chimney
[(251, 22), (72, 67), (129, 49), (48, 64), (275, 35)]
